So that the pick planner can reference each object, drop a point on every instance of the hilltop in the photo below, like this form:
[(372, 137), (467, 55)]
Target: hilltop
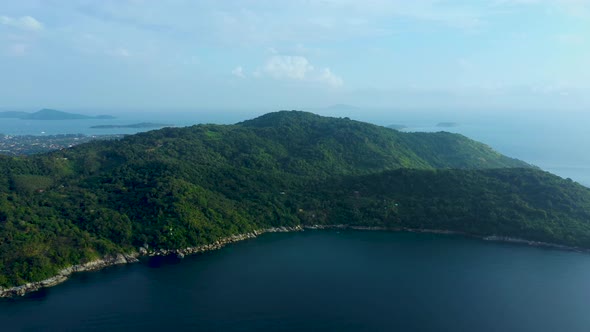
[(185, 187)]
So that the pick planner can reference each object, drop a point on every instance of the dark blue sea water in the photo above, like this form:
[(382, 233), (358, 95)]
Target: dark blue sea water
[(325, 281)]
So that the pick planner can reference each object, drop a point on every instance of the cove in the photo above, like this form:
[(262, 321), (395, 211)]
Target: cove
[(325, 280)]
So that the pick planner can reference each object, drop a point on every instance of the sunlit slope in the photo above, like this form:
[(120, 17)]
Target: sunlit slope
[(362, 146)]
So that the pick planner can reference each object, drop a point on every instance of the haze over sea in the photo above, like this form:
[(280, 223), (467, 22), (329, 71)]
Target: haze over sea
[(554, 141)]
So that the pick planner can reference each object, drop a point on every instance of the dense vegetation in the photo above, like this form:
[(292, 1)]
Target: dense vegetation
[(521, 203), (180, 187)]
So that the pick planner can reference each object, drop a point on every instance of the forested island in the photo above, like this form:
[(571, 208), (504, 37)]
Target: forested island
[(49, 114), (173, 189)]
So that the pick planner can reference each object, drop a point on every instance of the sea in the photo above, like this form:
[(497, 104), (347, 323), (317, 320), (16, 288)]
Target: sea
[(325, 281)]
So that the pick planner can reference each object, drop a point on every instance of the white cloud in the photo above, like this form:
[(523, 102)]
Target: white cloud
[(238, 72), (298, 68), (286, 66), (326, 76), (24, 23)]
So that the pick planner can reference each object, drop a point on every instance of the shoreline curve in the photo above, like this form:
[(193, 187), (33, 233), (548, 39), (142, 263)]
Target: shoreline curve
[(128, 258)]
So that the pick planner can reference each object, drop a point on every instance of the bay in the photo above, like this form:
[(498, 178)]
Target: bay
[(325, 281)]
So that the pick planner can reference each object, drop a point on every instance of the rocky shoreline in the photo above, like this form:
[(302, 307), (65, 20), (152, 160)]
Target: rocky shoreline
[(119, 259), (144, 251), (508, 239), (381, 228), (64, 274)]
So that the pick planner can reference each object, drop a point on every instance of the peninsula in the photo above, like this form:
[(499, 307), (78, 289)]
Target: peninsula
[(171, 189)]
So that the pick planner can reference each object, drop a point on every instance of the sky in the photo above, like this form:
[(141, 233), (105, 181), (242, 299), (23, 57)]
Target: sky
[(293, 54)]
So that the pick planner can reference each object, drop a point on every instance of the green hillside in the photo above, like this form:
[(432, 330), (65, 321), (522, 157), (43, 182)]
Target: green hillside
[(181, 187), (358, 147), (519, 203)]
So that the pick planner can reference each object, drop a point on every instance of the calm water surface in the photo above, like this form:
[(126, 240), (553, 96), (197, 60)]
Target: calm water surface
[(326, 281)]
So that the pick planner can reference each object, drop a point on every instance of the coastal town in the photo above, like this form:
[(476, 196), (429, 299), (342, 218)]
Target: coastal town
[(18, 145)]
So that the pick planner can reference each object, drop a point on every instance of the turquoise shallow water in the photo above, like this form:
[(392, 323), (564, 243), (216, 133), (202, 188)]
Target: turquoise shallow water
[(325, 281)]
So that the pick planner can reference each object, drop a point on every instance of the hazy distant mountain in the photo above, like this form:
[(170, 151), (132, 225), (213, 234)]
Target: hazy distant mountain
[(50, 114)]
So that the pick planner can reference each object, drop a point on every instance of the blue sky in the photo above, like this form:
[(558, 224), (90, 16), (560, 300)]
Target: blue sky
[(429, 54)]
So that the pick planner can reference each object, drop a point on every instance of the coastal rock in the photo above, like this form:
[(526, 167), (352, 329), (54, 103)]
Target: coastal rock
[(64, 274), (131, 258), (119, 259)]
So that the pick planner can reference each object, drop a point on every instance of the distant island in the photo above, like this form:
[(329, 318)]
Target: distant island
[(447, 124), (135, 125), (397, 126), (50, 114)]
